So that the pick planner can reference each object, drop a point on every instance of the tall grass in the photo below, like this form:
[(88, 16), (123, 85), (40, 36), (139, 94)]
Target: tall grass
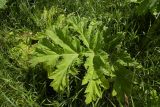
[(13, 93)]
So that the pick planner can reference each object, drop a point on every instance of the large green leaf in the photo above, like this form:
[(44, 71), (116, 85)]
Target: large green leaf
[(2, 3), (124, 76), (50, 51), (61, 74), (123, 82), (93, 39), (64, 45), (94, 77)]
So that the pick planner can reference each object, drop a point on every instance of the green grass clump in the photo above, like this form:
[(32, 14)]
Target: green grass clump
[(13, 92)]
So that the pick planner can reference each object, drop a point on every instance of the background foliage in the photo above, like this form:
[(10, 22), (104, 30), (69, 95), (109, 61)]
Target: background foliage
[(128, 53)]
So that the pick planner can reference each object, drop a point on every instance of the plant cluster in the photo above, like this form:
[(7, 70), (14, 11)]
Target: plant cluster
[(89, 53)]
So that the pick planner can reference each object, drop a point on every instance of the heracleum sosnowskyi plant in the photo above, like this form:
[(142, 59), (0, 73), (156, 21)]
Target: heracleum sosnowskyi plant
[(77, 40), (2, 3)]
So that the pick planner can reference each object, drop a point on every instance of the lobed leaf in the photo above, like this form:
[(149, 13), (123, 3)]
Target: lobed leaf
[(2, 3), (74, 39)]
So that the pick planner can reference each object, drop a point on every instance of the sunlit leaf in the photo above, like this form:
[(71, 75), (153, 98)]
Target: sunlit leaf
[(2, 3)]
